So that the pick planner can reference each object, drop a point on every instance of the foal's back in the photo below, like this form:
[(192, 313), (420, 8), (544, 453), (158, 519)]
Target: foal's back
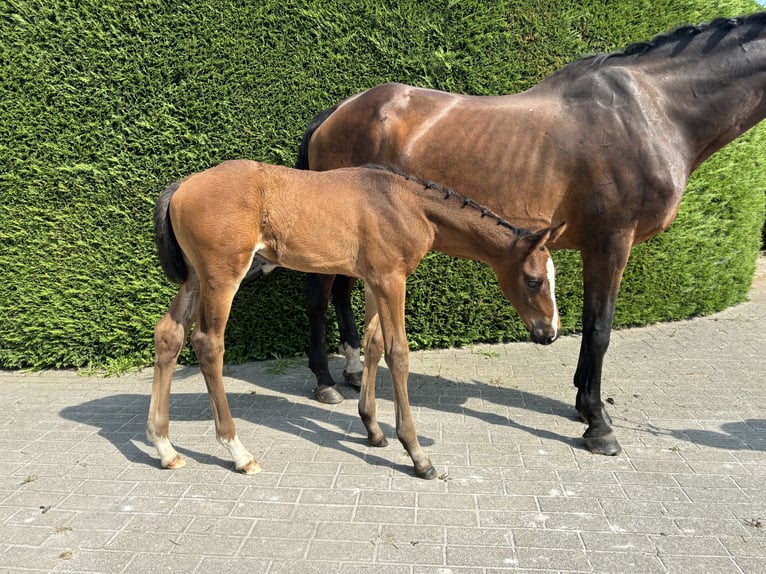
[(343, 221)]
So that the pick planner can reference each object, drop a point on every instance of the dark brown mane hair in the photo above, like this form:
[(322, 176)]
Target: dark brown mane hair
[(680, 34), (451, 193)]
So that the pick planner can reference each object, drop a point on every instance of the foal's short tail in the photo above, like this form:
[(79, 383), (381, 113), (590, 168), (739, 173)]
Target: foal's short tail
[(303, 150), (171, 256)]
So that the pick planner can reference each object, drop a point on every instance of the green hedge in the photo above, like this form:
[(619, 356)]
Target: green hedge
[(103, 103)]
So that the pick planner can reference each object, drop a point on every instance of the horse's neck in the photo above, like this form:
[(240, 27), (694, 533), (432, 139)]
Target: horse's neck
[(713, 90), (700, 88)]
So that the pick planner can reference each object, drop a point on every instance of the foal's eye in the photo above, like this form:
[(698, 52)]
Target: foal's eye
[(534, 284)]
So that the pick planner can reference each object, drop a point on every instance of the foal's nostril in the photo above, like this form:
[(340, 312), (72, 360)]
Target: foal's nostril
[(543, 336)]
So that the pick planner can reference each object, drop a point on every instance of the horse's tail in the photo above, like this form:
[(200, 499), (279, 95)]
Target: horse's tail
[(303, 150), (171, 256)]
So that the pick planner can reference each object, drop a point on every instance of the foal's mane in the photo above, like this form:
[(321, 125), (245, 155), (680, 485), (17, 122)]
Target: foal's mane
[(683, 33), (449, 193)]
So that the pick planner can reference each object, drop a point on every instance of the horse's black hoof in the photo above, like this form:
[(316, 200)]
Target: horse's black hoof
[(427, 474), (380, 443), (328, 395), (353, 379), (606, 444)]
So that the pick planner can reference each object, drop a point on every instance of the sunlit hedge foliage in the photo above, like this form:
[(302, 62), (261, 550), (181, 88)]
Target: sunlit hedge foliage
[(103, 103)]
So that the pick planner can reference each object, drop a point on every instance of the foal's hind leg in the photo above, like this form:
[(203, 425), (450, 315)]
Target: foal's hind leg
[(317, 295), (207, 340), (169, 338), (373, 351)]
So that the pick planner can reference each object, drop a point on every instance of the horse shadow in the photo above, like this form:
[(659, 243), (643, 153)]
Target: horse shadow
[(745, 435), (281, 403)]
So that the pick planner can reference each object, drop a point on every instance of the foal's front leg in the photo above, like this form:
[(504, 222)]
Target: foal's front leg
[(390, 302)]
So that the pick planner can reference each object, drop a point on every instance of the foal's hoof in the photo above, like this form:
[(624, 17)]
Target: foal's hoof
[(428, 474), (328, 395), (606, 445), (175, 464), (353, 379), (379, 443), (251, 467)]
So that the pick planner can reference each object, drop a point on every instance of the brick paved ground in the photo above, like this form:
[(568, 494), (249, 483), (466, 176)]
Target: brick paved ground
[(81, 491)]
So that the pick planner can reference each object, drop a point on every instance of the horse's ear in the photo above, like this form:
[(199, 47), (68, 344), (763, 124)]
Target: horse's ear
[(541, 238)]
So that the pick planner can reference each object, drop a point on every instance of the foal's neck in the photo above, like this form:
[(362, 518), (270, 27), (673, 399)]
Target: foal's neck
[(462, 227)]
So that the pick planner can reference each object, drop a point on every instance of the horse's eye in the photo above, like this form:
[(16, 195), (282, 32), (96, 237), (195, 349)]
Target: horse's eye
[(534, 284)]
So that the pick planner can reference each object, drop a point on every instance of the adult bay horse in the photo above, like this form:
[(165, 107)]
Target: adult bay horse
[(216, 227), (607, 143)]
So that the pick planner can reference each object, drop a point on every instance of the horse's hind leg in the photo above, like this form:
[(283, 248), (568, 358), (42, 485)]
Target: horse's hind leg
[(317, 295), (349, 336), (207, 340), (169, 338), (373, 351)]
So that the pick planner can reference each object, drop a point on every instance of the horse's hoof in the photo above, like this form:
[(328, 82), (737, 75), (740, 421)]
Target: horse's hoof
[(328, 395), (606, 444), (380, 443), (427, 474), (175, 464), (353, 379), (251, 467)]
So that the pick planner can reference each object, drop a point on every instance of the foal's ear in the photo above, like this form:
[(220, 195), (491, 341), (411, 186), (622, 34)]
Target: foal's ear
[(541, 238)]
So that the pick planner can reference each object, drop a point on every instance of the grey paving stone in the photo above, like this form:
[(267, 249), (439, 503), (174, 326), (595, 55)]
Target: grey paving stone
[(82, 491)]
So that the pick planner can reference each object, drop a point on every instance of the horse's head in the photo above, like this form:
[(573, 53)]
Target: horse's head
[(528, 279)]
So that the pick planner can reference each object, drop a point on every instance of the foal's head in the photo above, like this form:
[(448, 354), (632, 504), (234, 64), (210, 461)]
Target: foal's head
[(528, 279)]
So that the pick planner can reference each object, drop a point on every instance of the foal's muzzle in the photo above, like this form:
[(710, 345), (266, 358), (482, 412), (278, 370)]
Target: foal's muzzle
[(543, 334)]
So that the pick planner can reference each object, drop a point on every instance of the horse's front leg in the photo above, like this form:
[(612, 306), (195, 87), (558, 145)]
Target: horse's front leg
[(373, 351), (390, 302), (169, 338), (349, 336), (601, 278), (318, 289), (208, 342)]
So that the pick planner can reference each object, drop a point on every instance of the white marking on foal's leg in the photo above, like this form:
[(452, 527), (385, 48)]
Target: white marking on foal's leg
[(551, 270), (353, 361), (169, 458), (243, 460)]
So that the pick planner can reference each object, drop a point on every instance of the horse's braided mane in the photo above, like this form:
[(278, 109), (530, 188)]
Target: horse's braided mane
[(681, 33), (451, 193)]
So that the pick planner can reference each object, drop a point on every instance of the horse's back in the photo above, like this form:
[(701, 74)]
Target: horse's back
[(561, 151)]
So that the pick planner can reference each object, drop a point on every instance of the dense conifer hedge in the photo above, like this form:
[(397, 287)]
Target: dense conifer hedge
[(105, 102)]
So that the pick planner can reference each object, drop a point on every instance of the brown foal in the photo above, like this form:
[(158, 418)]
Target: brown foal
[(216, 227)]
